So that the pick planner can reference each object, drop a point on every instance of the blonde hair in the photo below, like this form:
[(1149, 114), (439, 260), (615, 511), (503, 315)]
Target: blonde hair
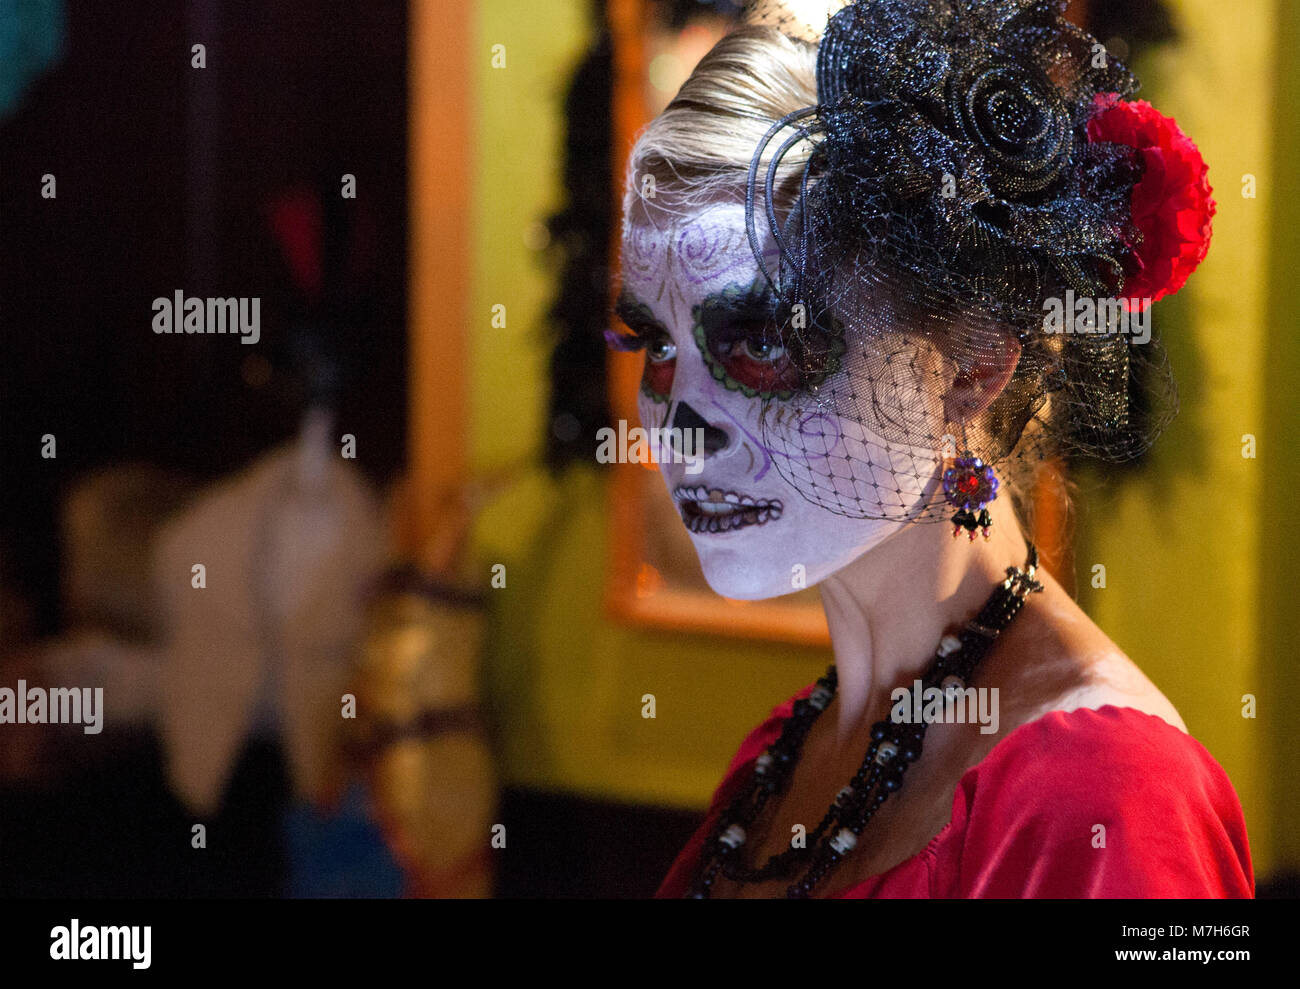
[(700, 148)]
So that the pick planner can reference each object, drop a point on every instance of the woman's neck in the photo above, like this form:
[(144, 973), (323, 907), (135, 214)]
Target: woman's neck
[(888, 609)]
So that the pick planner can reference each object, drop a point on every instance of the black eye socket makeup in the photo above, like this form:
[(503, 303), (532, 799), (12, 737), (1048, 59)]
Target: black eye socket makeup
[(638, 318), (647, 334), (739, 313), (752, 347)]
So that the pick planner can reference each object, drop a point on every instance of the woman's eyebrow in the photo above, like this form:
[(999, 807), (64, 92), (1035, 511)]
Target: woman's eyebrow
[(753, 299), (637, 315)]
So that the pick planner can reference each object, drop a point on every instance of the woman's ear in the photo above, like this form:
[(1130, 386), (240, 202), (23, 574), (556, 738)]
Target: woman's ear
[(980, 373)]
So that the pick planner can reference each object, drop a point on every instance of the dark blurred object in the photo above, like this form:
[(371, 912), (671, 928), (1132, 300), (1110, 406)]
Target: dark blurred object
[(165, 173), (1138, 24), (1279, 886), (138, 140), (120, 833), (569, 847), (581, 232), (677, 14), (580, 235), (327, 245)]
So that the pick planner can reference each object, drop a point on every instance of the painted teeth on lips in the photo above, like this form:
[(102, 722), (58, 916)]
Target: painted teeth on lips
[(714, 510)]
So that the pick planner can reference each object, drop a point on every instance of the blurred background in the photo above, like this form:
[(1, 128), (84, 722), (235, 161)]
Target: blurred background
[(368, 616)]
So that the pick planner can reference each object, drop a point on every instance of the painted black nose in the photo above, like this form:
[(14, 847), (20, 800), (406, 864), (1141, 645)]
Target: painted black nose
[(687, 418)]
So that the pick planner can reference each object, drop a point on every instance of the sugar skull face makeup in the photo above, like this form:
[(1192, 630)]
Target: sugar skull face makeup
[(717, 359)]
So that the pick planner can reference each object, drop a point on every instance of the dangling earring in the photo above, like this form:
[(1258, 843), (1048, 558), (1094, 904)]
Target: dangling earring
[(969, 485)]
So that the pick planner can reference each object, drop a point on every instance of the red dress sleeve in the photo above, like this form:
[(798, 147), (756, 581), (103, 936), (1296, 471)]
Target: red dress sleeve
[(1109, 803), (1106, 803)]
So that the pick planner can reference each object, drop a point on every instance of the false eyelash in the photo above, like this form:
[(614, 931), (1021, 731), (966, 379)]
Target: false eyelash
[(624, 343)]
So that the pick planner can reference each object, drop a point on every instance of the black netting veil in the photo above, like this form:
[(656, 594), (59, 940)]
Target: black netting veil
[(948, 201)]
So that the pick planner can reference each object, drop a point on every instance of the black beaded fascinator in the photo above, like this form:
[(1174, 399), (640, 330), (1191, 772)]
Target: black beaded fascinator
[(969, 208)]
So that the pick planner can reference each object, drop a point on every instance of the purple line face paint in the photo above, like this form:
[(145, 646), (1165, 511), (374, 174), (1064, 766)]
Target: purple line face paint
[(672, 264), (709, 250), (819, 426), (754, 440)]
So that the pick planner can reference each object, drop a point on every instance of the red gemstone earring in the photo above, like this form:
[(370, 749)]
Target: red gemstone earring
[(969, 485)]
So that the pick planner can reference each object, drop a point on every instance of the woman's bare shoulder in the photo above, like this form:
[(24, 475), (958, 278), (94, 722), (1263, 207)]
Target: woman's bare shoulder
[(1120, 682), (1063, 661)]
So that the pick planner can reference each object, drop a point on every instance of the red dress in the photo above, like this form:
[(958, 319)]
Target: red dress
[(1024, 819)]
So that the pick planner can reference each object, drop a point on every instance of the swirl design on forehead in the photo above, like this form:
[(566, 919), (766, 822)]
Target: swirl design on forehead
[(667, 267), (659, 261), (643, 247), (707, 250)]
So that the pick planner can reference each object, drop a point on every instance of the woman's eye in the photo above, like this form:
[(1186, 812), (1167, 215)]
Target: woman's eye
[(660, 364), (742, 338), (661, 349), (763, 350), (753, 365)]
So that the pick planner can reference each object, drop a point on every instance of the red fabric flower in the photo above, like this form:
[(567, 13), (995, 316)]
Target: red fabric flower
[(1172, 204)]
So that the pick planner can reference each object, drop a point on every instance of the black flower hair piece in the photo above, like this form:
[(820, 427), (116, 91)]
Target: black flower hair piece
[(951, 193), (955, 147)]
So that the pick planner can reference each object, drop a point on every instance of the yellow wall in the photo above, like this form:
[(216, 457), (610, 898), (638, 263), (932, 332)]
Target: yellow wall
[(1186, 544), (1278, 550), (1182, 542)]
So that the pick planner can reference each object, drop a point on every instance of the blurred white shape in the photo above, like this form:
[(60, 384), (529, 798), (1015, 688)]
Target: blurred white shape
[(289, 545)]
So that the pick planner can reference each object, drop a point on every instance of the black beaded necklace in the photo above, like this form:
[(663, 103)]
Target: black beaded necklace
[(893, 747)]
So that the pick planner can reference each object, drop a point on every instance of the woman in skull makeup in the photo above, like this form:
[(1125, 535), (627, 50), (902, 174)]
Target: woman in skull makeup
[(838, 248)]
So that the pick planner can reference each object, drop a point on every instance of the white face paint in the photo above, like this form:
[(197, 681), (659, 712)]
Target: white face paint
[(757, 536)]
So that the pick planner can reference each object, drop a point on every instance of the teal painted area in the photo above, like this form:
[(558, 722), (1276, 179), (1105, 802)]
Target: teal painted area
[(31, 41)]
